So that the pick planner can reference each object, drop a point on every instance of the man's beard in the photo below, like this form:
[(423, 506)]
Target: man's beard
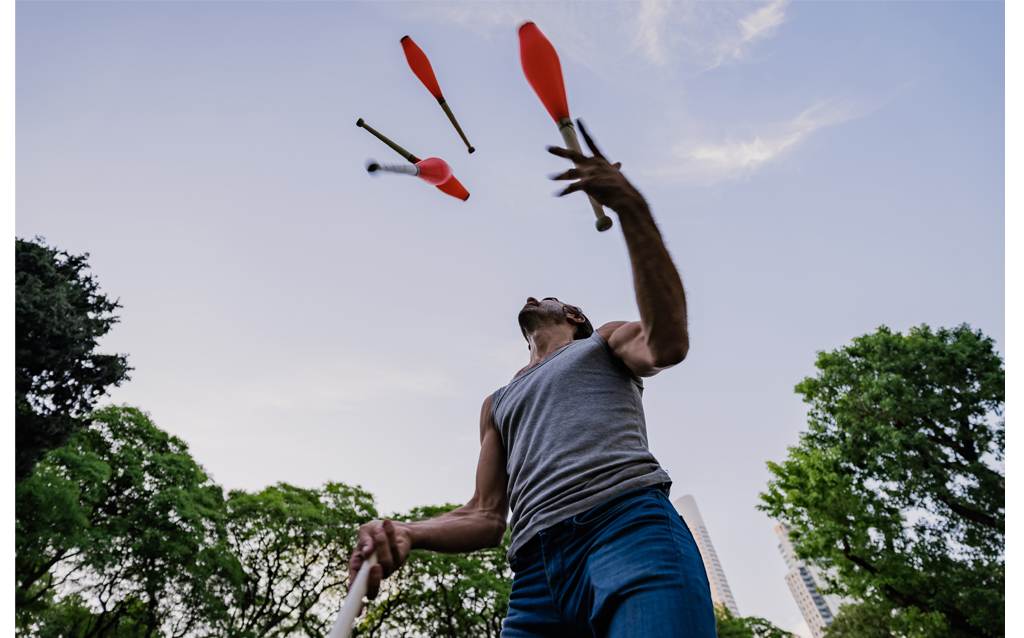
[(533, 318)]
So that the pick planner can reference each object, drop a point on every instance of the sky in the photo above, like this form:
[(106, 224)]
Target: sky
[(817, 170)]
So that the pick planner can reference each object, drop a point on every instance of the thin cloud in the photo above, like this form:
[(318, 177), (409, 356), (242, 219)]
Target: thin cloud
[(698, 35), (762, 23), (751, 28), (647, 34), (713, 161)]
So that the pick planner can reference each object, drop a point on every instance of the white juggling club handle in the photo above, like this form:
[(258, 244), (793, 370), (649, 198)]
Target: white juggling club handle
[(568, 132), (350, 608)]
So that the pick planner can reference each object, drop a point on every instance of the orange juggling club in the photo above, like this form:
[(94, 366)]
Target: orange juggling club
[(432, 170), (544, 73), (420, 65)]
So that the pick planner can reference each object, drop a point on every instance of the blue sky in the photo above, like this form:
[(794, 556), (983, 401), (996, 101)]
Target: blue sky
[(818, 169)]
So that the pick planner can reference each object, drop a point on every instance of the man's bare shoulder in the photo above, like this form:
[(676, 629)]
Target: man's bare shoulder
[(486, 422), (609, 328)]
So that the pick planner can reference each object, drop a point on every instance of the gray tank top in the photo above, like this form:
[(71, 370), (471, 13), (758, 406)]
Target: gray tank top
[(574, 434)]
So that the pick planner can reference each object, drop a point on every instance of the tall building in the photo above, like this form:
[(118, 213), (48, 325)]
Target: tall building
[(805, 583), (720, 593)]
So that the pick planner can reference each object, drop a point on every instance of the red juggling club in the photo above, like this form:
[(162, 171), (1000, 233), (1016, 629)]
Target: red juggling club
[(420, 65), (544, 73), (432, 170)]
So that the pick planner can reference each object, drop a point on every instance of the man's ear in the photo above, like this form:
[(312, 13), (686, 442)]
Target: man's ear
[(574, 318)]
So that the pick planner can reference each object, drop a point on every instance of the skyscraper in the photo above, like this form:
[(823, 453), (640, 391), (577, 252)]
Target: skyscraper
[(720, 593), (804, 581)]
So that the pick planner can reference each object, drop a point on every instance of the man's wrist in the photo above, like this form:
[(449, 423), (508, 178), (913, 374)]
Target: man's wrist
[(409, 531), (633, 207)]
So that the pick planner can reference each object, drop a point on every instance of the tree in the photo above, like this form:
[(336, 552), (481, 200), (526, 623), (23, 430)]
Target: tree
[(729, 626), (60, 313), (116, 534), (292, 547), (121, 534), (898, 482), (456, 595), (872, 620)]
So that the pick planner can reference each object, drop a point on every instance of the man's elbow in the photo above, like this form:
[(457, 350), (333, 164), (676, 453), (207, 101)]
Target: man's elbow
[(497, 531), (671, 354)]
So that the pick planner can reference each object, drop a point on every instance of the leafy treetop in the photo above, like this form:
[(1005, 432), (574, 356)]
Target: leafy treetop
[(60, 314), (898, 483)]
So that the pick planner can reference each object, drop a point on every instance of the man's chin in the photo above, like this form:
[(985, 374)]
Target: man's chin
[(533, 317)]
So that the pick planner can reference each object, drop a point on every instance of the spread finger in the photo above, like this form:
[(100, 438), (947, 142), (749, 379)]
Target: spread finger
[(590, 143), (572, 188), (572, 173), (567, 153)]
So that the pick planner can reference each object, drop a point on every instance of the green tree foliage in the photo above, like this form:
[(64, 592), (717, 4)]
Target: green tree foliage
[(116, 535), (898, 482), (729, 626), (59, 315), (872, 620), (455, 595), (292, 546), (121, 534)]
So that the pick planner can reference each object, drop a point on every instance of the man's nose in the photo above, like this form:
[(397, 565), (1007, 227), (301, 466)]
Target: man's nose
[(533, 299)]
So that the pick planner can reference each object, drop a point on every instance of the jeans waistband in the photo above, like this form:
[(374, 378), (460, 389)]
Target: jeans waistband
[(533, 545)]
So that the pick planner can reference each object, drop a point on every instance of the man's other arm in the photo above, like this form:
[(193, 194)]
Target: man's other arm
[(478, 524)]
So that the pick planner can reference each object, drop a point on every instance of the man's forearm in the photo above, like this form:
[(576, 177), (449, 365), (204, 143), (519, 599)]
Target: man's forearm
[(465, 529), (659, 290)]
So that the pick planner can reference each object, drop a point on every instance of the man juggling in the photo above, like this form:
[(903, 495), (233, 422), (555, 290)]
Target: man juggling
[(597, 548)]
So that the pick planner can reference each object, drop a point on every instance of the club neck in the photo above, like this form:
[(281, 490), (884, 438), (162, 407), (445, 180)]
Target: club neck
[(405, 169)]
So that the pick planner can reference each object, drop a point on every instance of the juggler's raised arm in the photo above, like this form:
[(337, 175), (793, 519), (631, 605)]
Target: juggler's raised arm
[(659, 340)]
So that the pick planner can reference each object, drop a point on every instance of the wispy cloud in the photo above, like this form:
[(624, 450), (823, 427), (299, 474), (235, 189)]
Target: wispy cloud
[(755, 26), (762, 23), (647, 31), (695, 34), (708, 162)]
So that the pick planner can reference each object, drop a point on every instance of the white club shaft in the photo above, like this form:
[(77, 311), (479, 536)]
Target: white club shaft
[(568, 132), (407, 169), (350, 608)]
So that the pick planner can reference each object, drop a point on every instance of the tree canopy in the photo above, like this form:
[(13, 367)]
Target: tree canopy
[(292, 547), (116, 534), (729, 626), (869, 619), (120, 533), (898, 482), (60, 314)]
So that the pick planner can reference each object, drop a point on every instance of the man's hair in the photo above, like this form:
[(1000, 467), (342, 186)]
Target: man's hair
[(583, 330)]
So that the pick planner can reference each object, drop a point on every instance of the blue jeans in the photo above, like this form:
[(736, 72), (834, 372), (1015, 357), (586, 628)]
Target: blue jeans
[(627, 568)]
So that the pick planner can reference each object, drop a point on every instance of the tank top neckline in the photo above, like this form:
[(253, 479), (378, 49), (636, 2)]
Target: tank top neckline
[(548, 358)]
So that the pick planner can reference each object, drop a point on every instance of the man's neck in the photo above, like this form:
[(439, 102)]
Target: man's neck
[(545, 343)]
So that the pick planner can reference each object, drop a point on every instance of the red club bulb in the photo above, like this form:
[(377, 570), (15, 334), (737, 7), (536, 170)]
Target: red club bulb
[(434, 171)]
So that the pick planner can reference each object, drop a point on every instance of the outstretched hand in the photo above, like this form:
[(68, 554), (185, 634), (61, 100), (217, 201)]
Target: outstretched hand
[(598, 177)]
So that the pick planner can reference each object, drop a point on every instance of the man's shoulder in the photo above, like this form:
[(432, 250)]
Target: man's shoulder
[(607, 329)]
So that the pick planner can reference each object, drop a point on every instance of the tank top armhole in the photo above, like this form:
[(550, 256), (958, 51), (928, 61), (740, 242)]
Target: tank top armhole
[(619, 363)]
